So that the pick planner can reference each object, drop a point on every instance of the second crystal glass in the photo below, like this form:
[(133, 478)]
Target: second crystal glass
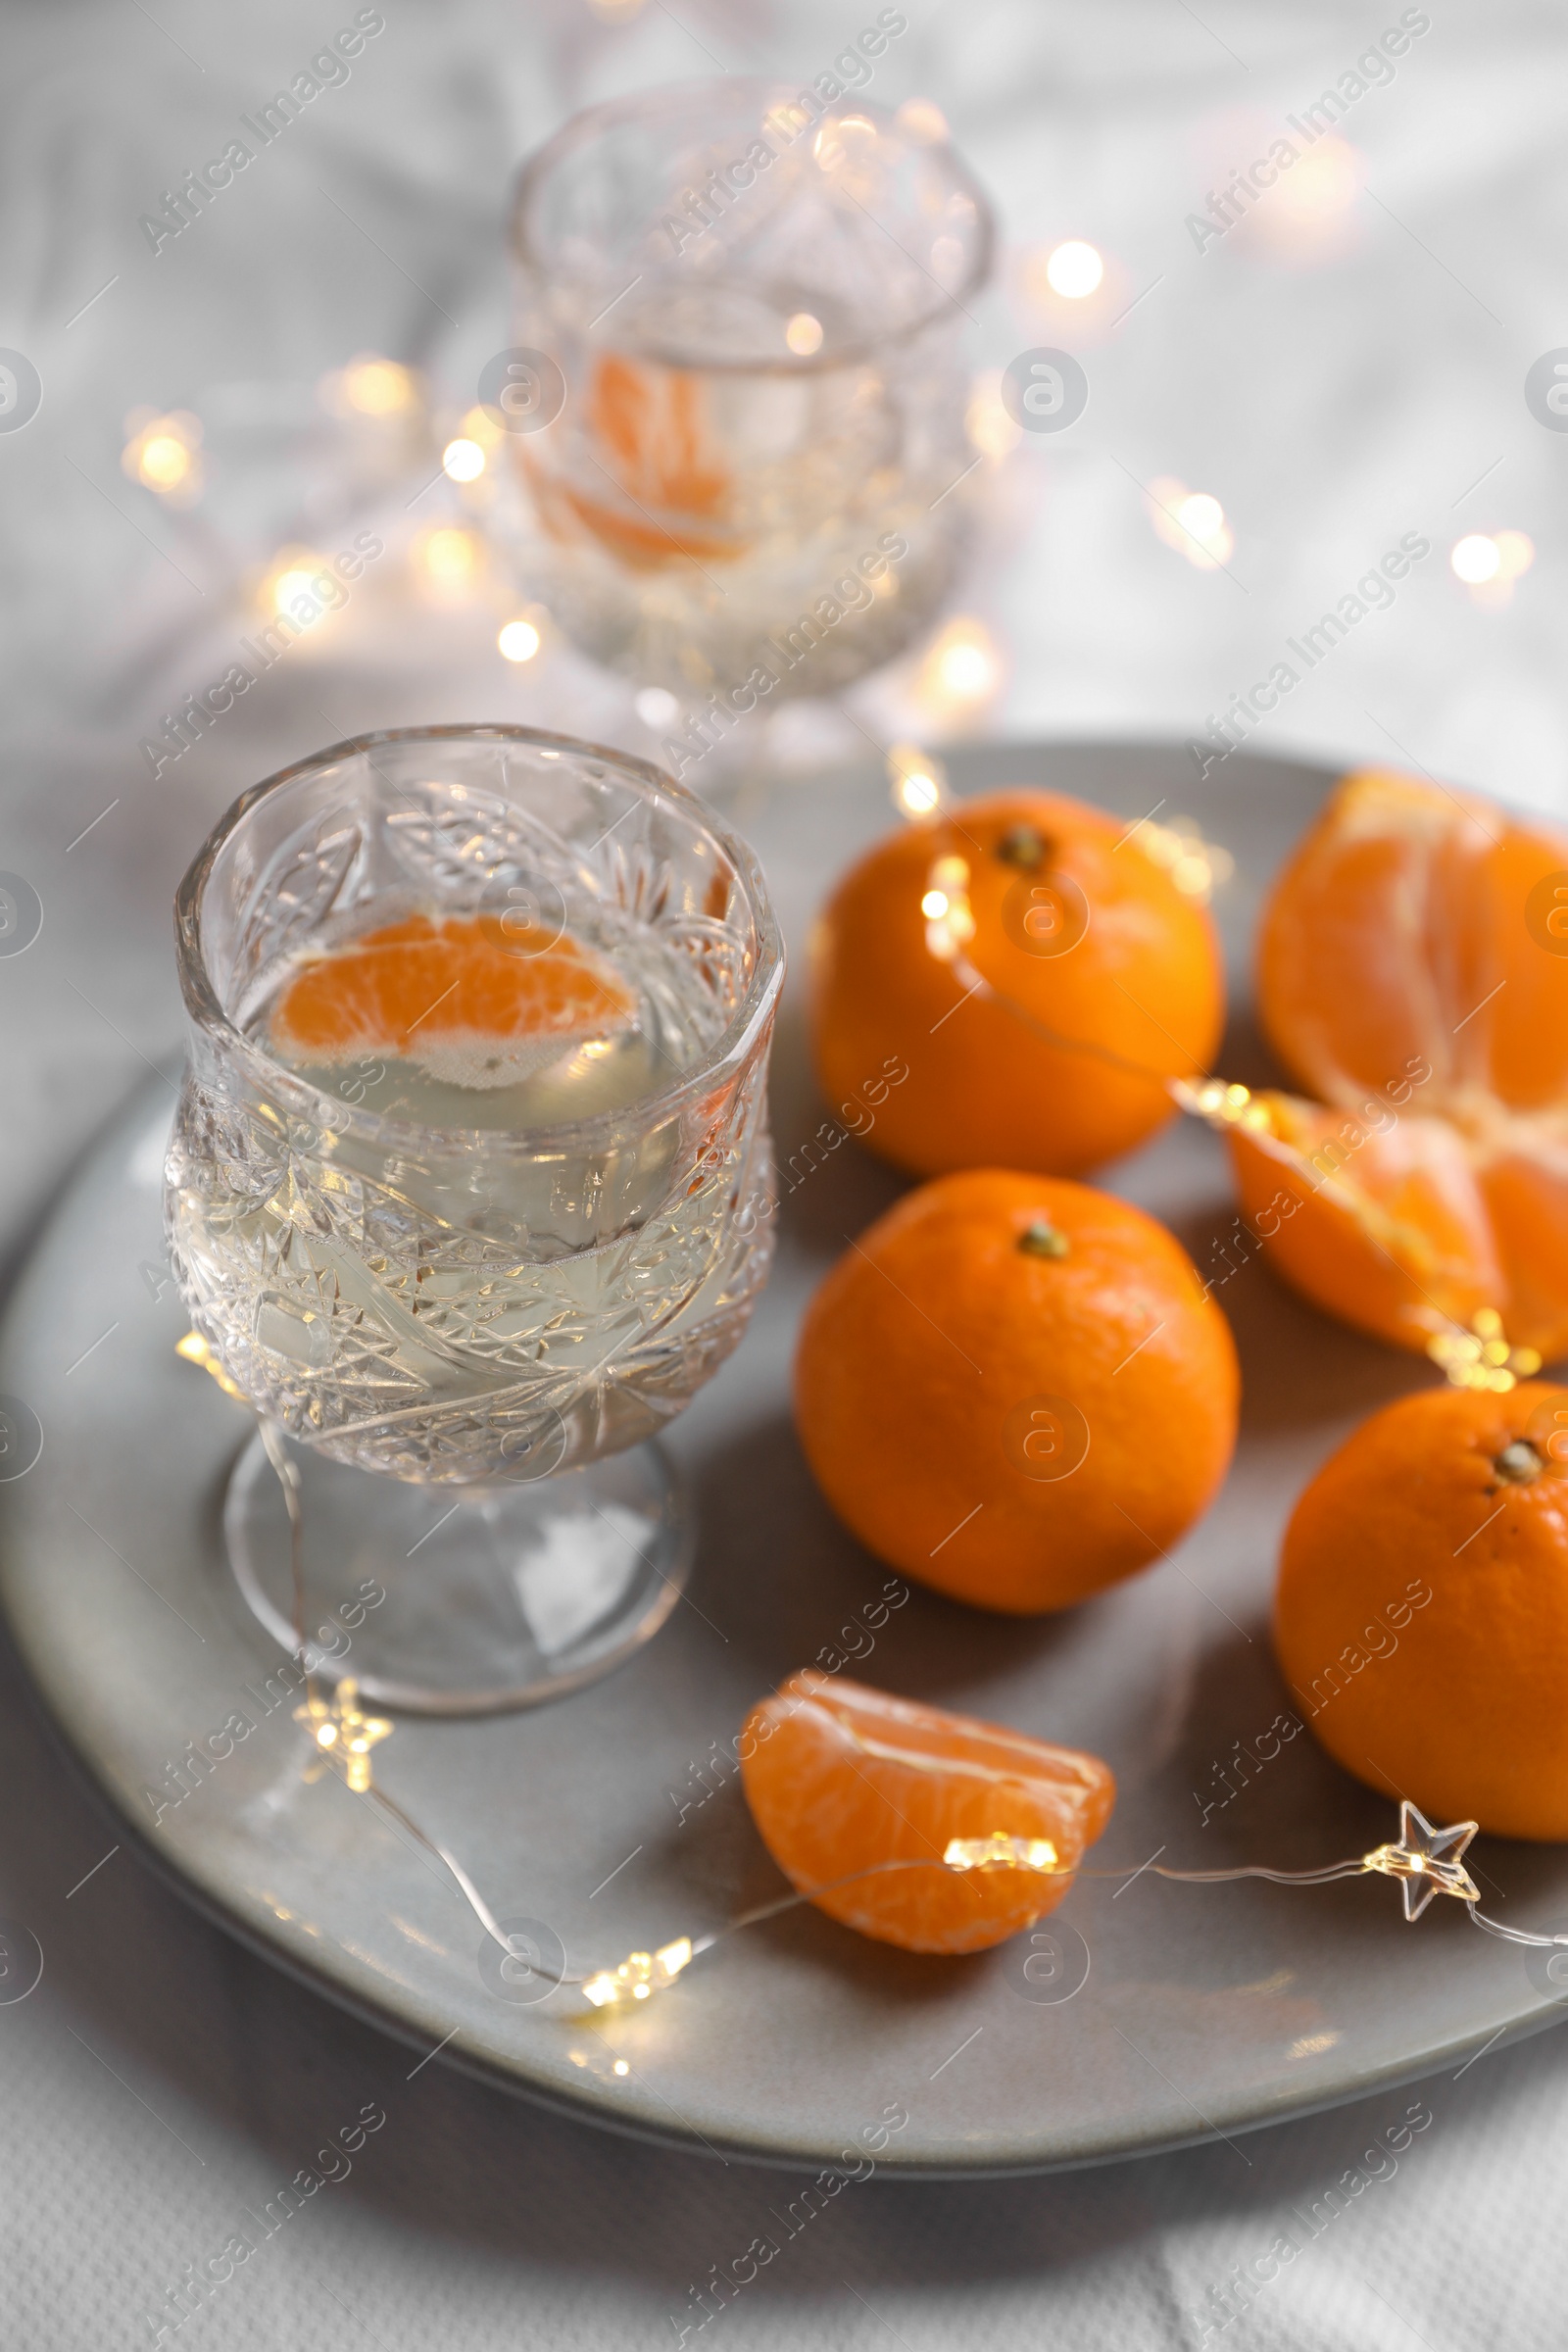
[(487, 1247), (738, 405)]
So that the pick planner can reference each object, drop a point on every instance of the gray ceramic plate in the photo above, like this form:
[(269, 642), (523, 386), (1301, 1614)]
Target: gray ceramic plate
[(610, 1817)]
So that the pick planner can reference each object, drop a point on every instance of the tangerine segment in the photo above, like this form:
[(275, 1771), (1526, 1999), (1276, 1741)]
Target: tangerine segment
[(1014, 1388), (650, 425), (840, 1777), (1417, 923), (420, 988), (1421, 1616), (1388, 1230), (652, 422), (1078, 928), (1419, 935)]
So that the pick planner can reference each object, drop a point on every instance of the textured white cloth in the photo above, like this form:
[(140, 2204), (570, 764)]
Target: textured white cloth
[(1334, 391)]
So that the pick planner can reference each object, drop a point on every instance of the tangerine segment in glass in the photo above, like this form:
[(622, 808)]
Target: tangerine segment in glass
[(841, 1778), (427, 992)]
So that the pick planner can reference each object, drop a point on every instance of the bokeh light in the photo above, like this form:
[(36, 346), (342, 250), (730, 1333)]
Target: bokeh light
[(1191, 521), (377, 387), (450, 560), (293, 573), (917, 781), (163, 453), (1476, 558), (657, 708), (922, 120), (804, 334), (1490, 562), (463, 460), (519, 640), (989, 424), (1074, 270)]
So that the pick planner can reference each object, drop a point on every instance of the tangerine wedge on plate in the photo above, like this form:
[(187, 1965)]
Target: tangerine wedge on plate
[(1078, 926), (1413, 976), (841, 1778), (1421, 1616), (477, 999)]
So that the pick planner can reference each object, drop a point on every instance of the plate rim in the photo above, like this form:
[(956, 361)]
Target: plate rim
[(408, 2025)]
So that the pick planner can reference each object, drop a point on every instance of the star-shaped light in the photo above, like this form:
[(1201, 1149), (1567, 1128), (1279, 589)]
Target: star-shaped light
[(1427, 1861), (342, 1734)]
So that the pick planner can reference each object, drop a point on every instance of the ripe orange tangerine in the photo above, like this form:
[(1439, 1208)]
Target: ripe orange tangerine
[(1413, 976), (448, 994), (840, 1778), (1421, 1616), (1013, 1388), (1078, 926)]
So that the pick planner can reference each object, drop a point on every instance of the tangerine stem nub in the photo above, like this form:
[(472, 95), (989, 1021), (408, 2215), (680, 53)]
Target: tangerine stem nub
[(1023, 845), (1043, 1240)]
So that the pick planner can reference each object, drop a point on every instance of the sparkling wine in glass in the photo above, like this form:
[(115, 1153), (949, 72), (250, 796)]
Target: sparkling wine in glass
[(736, 400), (469, 1188)]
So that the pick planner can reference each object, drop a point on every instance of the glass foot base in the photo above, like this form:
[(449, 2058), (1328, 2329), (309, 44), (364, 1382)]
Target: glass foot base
[(464, 1600)]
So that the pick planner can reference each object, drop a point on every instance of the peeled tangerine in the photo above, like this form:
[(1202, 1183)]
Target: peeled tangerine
[(1078, 926), (840, 1778), (1422, 1611), (1413, 976), (1014, 1388)]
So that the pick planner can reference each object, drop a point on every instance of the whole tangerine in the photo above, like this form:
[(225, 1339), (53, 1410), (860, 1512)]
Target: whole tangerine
[(843, 1780), (1078, 926), (1421, 1616), (1016, 1389)]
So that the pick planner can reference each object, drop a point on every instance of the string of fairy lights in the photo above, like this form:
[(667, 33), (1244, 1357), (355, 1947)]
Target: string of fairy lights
[(1426, 1859)]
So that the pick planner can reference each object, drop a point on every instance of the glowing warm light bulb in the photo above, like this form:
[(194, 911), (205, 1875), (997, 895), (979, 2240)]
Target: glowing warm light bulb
[(518, 640), (293, 574), (917, 781), (990, 427), (1074, 270), (804, 334), (463, 460), (164, 453), (165, 462), (195, 1351), (639, 1974), (1476, 558), (1000, 1852), (921, 120), (1201, 514), (1321, 185), (934, 905), (961, 670), (968, 669), (655, 706), (1191, 521), (377, 388), (450, 558)]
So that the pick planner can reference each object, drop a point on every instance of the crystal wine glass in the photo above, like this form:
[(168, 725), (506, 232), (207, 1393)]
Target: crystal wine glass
[(736, 395), (471, 1262)]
